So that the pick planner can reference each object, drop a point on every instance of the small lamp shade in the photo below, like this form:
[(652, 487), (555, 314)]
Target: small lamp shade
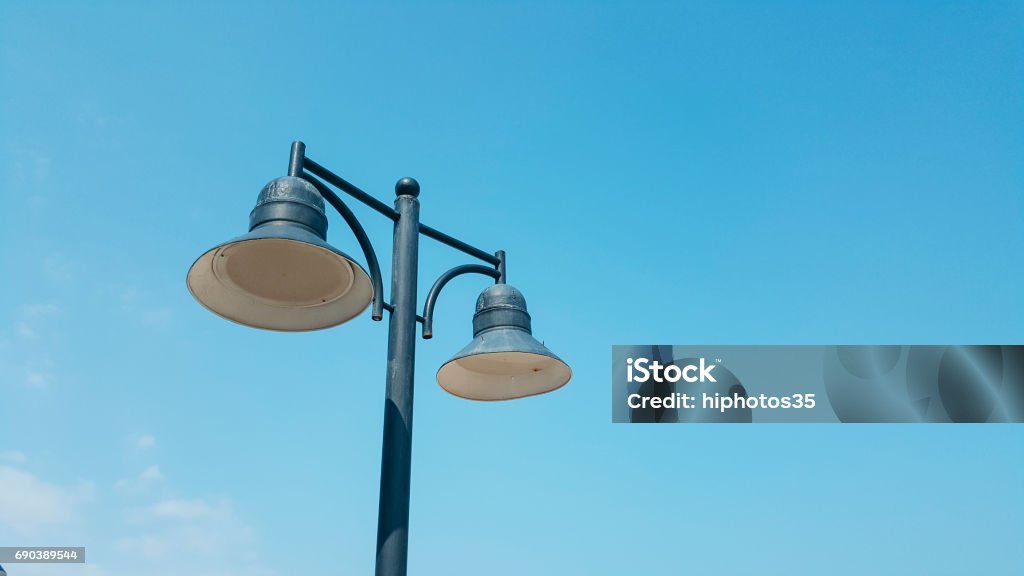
[(282, 275), (503, 361)]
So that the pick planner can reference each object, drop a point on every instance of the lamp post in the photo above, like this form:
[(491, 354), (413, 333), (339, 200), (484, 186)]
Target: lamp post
[(283, 275)]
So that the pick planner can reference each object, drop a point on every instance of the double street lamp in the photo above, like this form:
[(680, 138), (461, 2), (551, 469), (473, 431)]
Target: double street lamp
[(283, 275)]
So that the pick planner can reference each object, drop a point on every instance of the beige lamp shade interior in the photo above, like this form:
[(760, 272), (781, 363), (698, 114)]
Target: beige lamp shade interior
[(503, 362), (276, 283), (503, 375)]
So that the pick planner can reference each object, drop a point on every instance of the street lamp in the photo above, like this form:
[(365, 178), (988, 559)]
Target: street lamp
[(283, 275)]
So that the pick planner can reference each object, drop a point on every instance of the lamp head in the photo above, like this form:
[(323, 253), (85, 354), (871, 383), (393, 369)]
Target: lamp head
[(282, 275), (504, 360)]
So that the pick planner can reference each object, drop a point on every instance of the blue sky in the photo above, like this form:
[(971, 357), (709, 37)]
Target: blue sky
[(666, 173)]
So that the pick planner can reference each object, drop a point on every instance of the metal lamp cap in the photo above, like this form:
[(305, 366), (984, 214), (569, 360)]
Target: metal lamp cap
[(291, 200), (501, 306), (282, 275)]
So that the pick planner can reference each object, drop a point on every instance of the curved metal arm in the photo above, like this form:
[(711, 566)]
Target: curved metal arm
[(364, 242), (435, 290)]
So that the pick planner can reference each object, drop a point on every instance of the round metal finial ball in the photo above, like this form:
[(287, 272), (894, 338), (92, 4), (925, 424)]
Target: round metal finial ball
[(407, 187)]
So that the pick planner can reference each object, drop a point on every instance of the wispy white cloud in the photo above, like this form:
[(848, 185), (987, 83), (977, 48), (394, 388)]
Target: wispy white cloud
[(151, 474), (144, 441), (144, 480), (38, 370), (151, 538), (28, 503), (87, 569), (32, 317), (206, 531), (37, 379), (163, 526), (13, 456), (26, 351)]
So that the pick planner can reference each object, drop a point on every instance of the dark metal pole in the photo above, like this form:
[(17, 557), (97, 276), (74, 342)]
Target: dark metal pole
[(396, 460)]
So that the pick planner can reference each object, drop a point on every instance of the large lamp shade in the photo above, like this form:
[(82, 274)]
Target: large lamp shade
[(282, 275), (503, 361)]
